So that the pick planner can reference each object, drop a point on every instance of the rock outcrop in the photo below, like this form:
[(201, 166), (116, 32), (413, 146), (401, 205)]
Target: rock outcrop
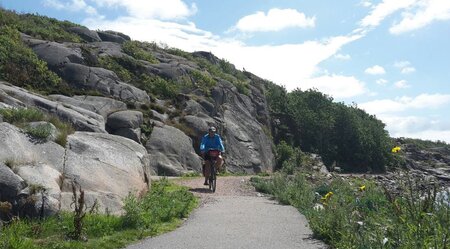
[(171, 152), (80, 118), (106, 167)]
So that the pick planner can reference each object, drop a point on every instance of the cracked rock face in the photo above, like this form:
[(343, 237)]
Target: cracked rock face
[(107, 168)]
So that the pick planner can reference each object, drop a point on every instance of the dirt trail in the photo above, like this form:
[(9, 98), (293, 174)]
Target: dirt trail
[(235, 217)]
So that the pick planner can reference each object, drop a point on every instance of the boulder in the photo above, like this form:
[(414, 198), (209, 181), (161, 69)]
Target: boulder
[(10, 184), (107, 168), (80, 118), (171, 152), (18, 149), (100, 105), (56, 54), (111, 36), (125, 119), (248, 147), (133, 134), (102, 80), (85, 34)]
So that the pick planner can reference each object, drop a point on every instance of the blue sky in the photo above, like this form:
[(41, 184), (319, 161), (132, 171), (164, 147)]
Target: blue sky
[(391, 57)]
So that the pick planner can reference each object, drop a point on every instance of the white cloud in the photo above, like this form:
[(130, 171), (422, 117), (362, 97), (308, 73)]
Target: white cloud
[(405, 67), (384, 9), (400, 104), (381, 82), (165, 10), (365, 3), (292, 63), (274, 20), (338, 86), (428, 128), (401, 84), (72, 5), (375, 70), (424, 13), (343, 57)]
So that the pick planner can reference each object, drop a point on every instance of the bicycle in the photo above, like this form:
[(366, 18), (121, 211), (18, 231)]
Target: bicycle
[(213, 155)]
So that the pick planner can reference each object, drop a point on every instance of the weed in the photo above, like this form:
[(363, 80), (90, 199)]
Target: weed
[(42, 131)]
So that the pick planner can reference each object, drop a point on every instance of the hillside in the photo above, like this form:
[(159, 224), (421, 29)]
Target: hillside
[(103, 111)]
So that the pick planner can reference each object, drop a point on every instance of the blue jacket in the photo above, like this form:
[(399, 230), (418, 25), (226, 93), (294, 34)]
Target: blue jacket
[(211, 143)]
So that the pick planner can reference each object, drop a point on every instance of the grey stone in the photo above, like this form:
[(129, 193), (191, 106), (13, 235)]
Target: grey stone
[(125, 119), (171, 152), (10, 184), (100, 105), (18, 149), (107, 168), (102, 80), (80, 118), (133, 134), (85, 34), (112, 36), (159, 117), (57, 55)]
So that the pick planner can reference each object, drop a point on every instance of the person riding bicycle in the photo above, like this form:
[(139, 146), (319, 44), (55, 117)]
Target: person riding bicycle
[(211, 141)]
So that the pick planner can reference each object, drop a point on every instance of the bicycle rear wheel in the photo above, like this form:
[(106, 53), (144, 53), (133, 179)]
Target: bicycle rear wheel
[(212, 178)]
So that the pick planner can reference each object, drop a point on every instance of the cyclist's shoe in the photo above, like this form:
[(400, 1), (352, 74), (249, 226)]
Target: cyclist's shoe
[(206, 183)]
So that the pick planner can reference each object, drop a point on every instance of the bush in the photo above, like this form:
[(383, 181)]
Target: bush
[(360, 214), (140, 50), (38, 26), (20, 65), (21, 115), (42, 131)]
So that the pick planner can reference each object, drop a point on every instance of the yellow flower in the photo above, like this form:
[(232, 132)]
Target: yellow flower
[(326, 198), (396, 149), (362, 188)]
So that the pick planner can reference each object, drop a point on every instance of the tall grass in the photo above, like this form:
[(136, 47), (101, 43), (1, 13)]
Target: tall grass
[(158, 211), (361, 214)]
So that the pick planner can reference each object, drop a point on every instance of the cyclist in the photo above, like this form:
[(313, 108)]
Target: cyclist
[(211, 141)]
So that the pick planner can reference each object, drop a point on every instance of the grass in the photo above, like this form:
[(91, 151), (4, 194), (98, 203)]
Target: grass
[(42, 131), (361, 214), (159, 211), (21, 116)]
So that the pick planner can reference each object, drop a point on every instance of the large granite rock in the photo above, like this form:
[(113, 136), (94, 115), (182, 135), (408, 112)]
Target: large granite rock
[(10, 184), (248, 147), (106, 167), (100, 105), (171, 152), (102, 80), (85, 34), (112, 36), (55, 54), (80, 118), (126, 124)]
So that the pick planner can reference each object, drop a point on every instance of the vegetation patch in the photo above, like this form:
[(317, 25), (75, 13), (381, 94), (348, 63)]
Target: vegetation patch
[(20, 66), (344, 136), (21, 116), (360, 214), (38, 26), (140, 50), (42, 131), (159, 211)]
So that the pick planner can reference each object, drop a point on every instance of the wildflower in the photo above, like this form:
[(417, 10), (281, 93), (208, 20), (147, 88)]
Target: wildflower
[(326, 197), (385, 240), (362, 188), (396, 149)]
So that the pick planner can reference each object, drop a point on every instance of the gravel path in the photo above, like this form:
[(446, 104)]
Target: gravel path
[(235, 217)]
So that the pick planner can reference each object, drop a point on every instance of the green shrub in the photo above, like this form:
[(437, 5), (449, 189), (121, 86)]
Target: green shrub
[(360, 214), (20, 65), (111, 63), (22, 115), (158, 86), (158, 211), (38, 26), (42, 131), (139, 50)]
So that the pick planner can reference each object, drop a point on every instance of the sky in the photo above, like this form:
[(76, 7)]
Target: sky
[(389, 57)]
